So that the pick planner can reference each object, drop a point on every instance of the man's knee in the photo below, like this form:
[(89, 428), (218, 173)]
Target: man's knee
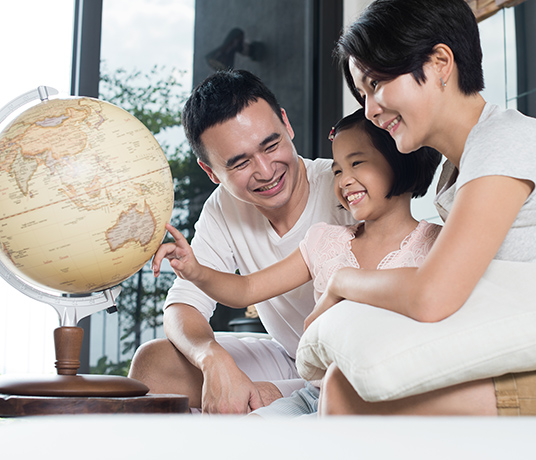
[(148, 357), (160, 366)]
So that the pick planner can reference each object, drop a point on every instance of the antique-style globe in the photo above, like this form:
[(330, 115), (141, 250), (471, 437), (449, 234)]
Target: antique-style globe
[(85, 193)]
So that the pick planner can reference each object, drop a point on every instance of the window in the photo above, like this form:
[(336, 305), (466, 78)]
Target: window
[(498, 38), (146, 41)]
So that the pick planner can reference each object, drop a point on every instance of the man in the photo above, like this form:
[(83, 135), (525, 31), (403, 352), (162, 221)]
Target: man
[(267, 199)]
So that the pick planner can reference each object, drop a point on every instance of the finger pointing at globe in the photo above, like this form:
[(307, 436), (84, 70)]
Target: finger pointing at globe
[(181, 257)]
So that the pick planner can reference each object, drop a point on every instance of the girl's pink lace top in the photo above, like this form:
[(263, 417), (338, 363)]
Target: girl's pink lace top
[(327, 248)]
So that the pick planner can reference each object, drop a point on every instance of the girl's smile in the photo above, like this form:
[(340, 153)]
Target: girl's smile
[(363, 177), (354, 198)]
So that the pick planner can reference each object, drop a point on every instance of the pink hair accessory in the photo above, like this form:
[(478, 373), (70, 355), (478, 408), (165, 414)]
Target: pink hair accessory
[(332, 134)]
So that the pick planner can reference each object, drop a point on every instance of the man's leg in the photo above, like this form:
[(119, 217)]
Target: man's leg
[(160, 366)]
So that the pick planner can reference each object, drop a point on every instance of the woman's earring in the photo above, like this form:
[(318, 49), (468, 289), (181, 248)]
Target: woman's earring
[(443, 84)]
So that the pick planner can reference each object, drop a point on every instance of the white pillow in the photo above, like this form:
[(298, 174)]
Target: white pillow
[(389, 356)]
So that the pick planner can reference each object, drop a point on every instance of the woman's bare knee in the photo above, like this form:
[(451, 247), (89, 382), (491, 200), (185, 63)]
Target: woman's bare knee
[(337, 396)]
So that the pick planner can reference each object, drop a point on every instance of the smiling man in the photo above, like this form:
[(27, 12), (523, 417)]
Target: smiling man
[(268, 197)]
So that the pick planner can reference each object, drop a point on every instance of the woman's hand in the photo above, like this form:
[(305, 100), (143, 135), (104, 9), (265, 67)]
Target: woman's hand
[(180, 256)]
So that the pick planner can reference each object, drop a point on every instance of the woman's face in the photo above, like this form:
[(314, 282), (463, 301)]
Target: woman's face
[(401, 106)]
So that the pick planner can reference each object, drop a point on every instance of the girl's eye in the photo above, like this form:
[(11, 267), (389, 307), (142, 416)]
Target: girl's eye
[(336, 172), (356, 163), (374, 83)]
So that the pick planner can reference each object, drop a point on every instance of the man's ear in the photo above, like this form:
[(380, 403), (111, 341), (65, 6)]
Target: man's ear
[(209, 172), (442, 59), (287, 124)]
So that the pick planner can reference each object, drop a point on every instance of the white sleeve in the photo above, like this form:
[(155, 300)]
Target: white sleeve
[(212, 249)]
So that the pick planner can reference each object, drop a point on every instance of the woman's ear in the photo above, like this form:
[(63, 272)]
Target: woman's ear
[(209, 171), (442, 61)]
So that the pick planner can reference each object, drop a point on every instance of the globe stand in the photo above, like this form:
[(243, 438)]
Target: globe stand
[(68, 343), (70, 393)]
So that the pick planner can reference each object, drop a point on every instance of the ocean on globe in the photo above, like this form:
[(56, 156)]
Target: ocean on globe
[(85, 193)]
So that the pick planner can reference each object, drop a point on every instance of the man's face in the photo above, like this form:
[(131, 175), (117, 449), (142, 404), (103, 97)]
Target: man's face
[(253, 157)]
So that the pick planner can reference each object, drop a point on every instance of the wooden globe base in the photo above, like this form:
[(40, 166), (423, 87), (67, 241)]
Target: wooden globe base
[(68, 343), (72, 385)]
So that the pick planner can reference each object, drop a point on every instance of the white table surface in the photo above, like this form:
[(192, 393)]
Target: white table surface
[(82, 437)]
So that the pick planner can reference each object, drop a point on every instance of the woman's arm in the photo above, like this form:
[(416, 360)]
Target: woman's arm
[(233, 290), (483, 212)]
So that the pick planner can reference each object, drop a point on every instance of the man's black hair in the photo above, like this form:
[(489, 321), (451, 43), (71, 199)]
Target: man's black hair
[(219, 98)]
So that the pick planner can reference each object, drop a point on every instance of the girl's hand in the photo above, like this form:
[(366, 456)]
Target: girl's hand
[(180, 256)]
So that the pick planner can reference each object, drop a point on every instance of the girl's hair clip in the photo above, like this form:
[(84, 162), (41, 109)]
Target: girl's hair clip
[(332, 134)]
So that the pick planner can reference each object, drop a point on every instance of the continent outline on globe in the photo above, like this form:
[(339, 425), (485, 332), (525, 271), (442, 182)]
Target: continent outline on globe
[(85, 192)]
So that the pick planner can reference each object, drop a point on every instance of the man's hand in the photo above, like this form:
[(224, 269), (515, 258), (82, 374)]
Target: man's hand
[(268, 391), (227, 390), (180, 256)]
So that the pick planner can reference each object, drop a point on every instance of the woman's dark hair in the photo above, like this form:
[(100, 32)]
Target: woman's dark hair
[(219, 98), (413, 172), (397, 37)]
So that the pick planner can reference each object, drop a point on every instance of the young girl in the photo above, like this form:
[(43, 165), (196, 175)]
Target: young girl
[(375, 183), (415, 66)]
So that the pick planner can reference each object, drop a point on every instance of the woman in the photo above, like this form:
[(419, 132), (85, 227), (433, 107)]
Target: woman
[(416, 67)]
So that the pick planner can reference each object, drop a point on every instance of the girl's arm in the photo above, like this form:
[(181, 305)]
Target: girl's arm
[(482, 214), (233, 290)]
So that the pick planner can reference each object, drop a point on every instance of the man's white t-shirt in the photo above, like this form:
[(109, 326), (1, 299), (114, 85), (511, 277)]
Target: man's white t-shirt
[(232, 234)]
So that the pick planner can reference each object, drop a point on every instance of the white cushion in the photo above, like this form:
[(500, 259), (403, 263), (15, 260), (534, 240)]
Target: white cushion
[(389, 356)]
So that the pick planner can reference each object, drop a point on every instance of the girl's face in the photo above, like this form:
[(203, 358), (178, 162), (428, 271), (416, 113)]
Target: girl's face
[(401, 106), (363, 177)]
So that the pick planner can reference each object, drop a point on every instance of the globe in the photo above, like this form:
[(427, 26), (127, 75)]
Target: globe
[(85, 192)]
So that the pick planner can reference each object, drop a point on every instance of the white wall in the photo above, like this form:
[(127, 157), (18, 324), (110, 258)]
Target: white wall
[(36, 39)]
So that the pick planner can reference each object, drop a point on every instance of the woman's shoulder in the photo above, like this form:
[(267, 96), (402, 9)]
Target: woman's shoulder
[(497, 125), (502, 143)]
